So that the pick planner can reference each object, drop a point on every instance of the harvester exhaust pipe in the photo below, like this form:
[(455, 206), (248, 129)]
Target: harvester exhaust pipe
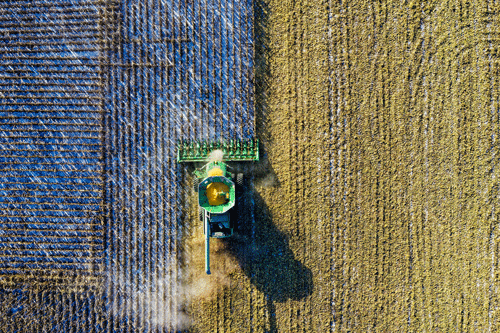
[(207, 245)]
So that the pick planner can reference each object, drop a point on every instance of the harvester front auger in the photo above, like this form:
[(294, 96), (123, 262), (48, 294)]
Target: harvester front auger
[(215, 183)]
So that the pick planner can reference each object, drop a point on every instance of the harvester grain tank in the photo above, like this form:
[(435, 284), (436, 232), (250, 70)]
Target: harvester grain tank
[(214, 182)]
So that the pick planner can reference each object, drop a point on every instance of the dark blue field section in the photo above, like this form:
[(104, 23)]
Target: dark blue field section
[(51, 138), (94, 96)]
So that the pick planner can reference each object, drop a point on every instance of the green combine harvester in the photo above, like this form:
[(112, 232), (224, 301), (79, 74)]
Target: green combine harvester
[(214, 182)]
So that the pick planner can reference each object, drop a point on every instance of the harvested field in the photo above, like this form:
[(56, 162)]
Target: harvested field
[(377, 210)]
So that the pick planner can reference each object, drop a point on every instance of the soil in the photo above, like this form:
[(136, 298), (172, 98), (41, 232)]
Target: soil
[(373, 208)]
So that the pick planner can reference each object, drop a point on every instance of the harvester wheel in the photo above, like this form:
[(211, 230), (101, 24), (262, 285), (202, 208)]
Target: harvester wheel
[(239, 179)]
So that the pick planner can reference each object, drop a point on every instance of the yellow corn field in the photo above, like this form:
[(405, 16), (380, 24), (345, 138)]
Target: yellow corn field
[(378, 210)]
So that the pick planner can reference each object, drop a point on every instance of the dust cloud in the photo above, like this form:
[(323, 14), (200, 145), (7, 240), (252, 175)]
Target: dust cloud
[(216, 156), (157, 303), (200, 286)]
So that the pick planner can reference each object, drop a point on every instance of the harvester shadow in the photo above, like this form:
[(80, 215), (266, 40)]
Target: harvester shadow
[(263, 252)]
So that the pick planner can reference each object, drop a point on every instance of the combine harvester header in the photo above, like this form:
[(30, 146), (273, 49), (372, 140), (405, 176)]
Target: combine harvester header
[(233, 150)]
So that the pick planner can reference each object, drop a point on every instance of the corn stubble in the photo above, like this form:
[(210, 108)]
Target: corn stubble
[(380, 125)]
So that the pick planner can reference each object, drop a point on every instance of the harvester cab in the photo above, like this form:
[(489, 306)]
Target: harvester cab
[(214, 182)]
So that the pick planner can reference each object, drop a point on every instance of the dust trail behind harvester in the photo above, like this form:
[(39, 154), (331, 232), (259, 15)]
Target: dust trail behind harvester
[(200, 286), (157, 303)]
